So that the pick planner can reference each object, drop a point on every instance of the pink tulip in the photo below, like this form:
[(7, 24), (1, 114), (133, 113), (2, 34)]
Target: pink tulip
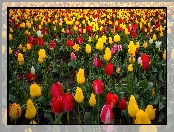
[(114, 48), (95, 62), (119, 47), (73, 56), (106, 114)]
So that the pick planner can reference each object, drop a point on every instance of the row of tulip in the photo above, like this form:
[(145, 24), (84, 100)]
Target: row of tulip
[(100, 47)]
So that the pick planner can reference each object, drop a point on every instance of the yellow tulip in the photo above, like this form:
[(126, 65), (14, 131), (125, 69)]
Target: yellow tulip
[(154, 37), (130, 68), (104, 38), (131, 48), (164, 55), (132, 106), (80, 76), (33, 122), (110, 40), (99, 45), (76, 47), (31, 110), (28, 47), (145, 44), (92, 100), (10, 51), (153, 92), (150, 111), (89, 40), (24, 49), (116, 38), (131, 59), (14, 111), (40, 60), (107, 55), (20, 57), (42, 53), (84, 30), (126, 31), (11, 30), (142, 118), (118, 70), (35, 90), (10, 37), (79, 95), (22, 25), (88, 48)]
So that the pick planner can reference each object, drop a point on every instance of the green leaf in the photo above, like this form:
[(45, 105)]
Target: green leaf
[(142, 105), (42, 100), (72, 64), (38, 69), (49, 117), (54, 70), (88, 118), (160, 106), (156, 99), (23, 106), (154, 69), (13, 98)]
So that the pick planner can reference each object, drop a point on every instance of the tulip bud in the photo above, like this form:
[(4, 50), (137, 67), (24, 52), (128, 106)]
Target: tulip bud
[(39, 33), (32, 70), (106, 114)]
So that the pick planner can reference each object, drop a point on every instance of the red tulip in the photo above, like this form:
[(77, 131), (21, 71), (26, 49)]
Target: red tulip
[(57, 104), (56, 90), (54, 35), (97, 86), (106, 114), (111, 99), (31, 39), (79, 40), (123, 104), (52, 44), (70, 43), (97, 62), (67, 31), (80, 31), (109, 69), (68, 102), (30, 77), (145, 61), (88, 28)]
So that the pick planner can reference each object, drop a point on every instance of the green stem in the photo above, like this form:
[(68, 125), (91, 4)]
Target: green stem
[(98, 109), (133, 120), (68, 117), (92, 119), (15, 121), (78, 109)]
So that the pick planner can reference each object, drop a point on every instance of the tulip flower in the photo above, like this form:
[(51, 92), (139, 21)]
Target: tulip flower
[(97, 62), (142, 118), (164, 55), (106, 114), (114, 49), (52, 44), (158, 43), (73, 56), (80, 76), (107, 55), (76, 47), (97, 86), (35, 90), (10, 51), (92, 100), (116, 38), (109, 69), (39, 33), (111, 99), (20, 46), (150, 111), (57, 104), (131, 48), (32, 70), (70, 43), (42, 53), (33, 122), (56, 90), (130, 68), (16, 53), (68, 102), (30, 77), (145, 61), (154, 37), (88, 48), (131, 59), (79, 95), (14, 111), (139, 60), (132, 107), (10, 37), (122, 104), (79, 40), (31, 110), (110, 40), (118, 70)]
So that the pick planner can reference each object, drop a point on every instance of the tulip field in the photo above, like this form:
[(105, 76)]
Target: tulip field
[(87, 66)]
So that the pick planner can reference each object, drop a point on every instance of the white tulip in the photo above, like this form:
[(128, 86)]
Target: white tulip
[(32, 70), (139, 60), (150, 41), (158, 43), (39, 33)]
